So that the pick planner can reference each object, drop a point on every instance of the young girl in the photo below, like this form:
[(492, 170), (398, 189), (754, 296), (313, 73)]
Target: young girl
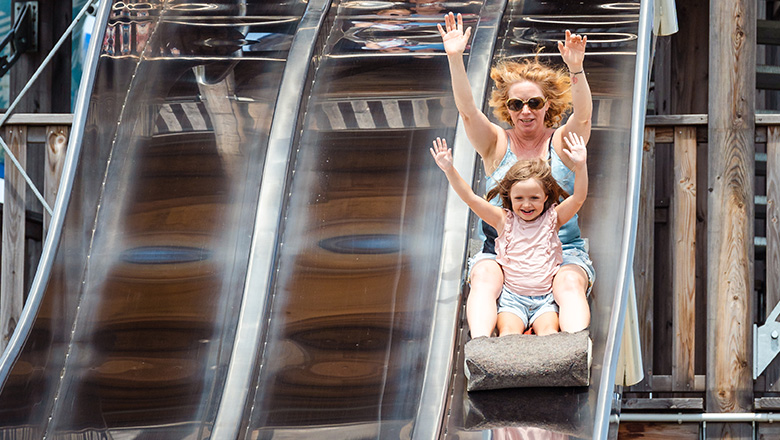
[(528, 247)]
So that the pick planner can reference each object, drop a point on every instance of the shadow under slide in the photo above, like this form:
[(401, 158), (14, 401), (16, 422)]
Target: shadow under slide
[(254, 242)]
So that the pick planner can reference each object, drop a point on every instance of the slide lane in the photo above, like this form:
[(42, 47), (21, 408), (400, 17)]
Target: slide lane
[(130, 323), (138, 328)]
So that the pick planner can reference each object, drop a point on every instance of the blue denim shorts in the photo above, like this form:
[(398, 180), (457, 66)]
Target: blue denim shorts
[(527, 308), (575, 256)]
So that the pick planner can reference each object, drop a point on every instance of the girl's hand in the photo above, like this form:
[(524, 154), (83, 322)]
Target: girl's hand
[(454, 39), (576, 151), (441, 154), (573, 51)]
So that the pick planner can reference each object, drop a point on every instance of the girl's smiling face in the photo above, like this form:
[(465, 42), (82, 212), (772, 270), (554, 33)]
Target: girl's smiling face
[(528, 199), (526, 118)]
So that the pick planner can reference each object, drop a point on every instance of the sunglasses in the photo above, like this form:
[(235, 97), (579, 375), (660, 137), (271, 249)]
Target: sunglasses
[(516, 104)]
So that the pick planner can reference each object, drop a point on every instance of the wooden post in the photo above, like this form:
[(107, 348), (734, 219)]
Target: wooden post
[(731, 127), (12, 277), (772, 374), (643, 259), (684, 258), (56, 145), (51, 92)]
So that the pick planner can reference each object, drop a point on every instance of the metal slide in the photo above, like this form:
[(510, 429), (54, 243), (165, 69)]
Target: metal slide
[(253, 241)]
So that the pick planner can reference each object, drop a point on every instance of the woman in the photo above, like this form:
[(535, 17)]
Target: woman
[(532, 98)]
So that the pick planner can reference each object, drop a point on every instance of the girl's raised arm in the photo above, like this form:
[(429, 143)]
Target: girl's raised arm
[(576, 153), (492, 215)]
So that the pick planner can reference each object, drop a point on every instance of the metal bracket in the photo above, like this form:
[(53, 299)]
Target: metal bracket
[(766, 342), (23, 37)]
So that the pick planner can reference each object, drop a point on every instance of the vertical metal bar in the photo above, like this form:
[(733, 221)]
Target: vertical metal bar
[(615, 333), (439, 363), (269, 210)]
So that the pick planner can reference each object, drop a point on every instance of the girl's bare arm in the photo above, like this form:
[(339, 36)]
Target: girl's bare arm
[(492, 215), (577, 154)]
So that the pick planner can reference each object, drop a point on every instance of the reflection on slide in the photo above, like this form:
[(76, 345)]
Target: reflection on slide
[(135, 321)]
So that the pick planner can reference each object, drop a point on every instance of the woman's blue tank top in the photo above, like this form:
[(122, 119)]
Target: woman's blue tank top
[(569, 233)]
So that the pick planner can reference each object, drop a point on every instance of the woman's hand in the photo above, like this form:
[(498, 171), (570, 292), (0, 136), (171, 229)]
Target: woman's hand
[(573, 51), (454, 39), (576, 151), (441, 154)]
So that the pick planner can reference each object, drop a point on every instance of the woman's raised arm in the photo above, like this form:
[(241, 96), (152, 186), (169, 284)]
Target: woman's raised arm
[(573, 54), (482, 133)]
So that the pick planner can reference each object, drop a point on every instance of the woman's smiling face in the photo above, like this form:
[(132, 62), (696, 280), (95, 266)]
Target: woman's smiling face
[(527, 118)]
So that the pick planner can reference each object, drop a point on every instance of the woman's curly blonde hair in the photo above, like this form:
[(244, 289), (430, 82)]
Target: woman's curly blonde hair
[(554, 82), (523, 170)]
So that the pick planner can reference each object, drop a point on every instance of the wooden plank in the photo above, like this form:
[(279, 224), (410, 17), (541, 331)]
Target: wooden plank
[(768, 431), (767, 77), (655, 120), (662, 264), (40, 119), (56, 145), (692, 403), (768, 119), (766, 403), (699, 119), (664, 134), (684, 257), (658, 431), (662, 383), (731, 128), (12, 273), (643, 259), (768, 32), (772, 373)]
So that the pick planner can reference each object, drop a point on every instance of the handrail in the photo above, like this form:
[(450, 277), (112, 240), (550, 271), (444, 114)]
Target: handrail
[(35, 297), (269, 211), (27, 86), (615, 332)]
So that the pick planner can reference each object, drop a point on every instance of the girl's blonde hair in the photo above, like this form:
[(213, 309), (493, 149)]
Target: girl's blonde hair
[(554, 82), (523, 170)]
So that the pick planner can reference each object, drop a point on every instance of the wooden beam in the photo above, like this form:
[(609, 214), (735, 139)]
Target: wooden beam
[(12, 273), (768, 32), (691, 403), (772, 373), (654, 120), (731, 128), (702, 119), (40, 119), (767, 403), (684, 258), (658, 431), (643, 259)]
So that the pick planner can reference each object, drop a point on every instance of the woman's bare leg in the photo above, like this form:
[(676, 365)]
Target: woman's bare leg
[(569, 287), (487, 279)]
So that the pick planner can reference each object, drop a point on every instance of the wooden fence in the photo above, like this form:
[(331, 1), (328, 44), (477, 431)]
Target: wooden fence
[(670, 262), (39, 142)]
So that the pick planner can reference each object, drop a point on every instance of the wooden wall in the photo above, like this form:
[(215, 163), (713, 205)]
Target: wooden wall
[(30, 137)]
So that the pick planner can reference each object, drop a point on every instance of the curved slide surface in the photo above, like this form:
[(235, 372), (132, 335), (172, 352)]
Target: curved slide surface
[(253, 241)]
